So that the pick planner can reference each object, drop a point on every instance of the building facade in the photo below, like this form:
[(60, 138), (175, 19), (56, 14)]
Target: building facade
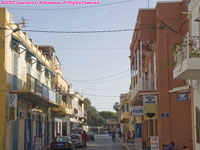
[(166, 114), (187, 59), (35, 99)]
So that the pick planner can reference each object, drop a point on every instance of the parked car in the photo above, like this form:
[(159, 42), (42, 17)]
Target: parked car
[(62, 143), (90, 136), (77, 140)]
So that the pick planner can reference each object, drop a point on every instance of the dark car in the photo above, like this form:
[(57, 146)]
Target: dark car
[(77, 140), (62, 143), (90, 136)]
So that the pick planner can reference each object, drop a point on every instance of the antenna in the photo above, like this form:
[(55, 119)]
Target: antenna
[(23, 22)]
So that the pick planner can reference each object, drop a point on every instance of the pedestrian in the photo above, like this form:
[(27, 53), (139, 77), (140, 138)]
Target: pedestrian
[(170, 146), (113, 136), (120, 133), (185, 148), (84, 138), (129, 136)]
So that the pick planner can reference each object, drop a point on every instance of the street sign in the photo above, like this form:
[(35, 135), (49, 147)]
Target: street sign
[(182, 97), (150, 107), (138, 111), (154, 142), (165, 115)]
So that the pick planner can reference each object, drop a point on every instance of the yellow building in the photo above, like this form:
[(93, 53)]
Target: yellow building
[(126, 122), (112, 125), (34, 102)]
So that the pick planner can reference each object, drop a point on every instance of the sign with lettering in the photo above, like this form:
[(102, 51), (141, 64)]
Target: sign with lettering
[(138, 111), (13, 100), (38, 143), (150, 107), (182, 97), (165, 115), (138, 143), (154, 142), (12, 113)]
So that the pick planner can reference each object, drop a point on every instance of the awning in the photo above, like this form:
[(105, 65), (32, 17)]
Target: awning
[(17, 41)]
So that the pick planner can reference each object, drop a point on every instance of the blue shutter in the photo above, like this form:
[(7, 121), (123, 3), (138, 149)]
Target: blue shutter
[(15, 135), (15, 70)]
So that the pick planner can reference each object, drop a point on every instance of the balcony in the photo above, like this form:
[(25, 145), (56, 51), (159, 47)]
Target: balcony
[(187, 59), (125, 116), (144, 87), (38, 93)]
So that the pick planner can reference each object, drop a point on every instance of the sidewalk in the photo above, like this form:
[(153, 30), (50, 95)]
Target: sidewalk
[(129, 146)]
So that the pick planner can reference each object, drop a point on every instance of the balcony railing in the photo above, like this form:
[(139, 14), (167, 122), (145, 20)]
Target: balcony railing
[(35, 86), (189, 48), (187, 58), (144, 85)]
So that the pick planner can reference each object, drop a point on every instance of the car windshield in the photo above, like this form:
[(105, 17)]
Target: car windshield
[(90, 133), (62, 139), (74, 136)]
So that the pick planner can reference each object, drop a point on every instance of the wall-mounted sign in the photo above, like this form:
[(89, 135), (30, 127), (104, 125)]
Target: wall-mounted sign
[(154, 142), (138, 111), (12, 113), (12, 107), (150, 107), (182, 97), (138, 143), (165, 115), (13, 100)]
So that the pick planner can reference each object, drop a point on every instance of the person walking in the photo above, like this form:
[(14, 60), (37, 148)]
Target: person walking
[(170, 146), (129, 136), (84, 139), (113, 136)]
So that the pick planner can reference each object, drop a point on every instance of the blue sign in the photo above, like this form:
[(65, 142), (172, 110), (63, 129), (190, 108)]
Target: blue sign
[(182, 97), (165, 115), (138, 130)]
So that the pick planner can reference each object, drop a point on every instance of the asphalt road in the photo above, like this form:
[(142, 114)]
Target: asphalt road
[(104, 142)]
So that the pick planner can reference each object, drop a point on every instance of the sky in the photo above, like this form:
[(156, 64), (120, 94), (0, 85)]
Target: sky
[(97, 65)]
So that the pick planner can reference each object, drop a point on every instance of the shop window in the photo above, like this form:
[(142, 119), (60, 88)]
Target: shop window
[(197, 125)]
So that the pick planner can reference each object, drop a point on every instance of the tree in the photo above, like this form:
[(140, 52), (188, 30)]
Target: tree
[(94, 119), (108, 115)]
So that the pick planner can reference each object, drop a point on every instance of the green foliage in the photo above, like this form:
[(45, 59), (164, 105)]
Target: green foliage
[(108, 115), (95, 118)]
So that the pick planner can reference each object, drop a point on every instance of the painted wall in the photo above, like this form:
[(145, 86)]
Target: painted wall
[(194, 9)]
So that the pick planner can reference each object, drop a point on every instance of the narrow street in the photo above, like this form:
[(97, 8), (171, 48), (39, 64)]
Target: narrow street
[(104, 142)]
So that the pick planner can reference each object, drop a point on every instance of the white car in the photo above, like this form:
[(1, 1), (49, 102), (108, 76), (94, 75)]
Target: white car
[(77, 140)]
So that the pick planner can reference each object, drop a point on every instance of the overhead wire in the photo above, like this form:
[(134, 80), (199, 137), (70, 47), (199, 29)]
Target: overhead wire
[(102, 77), (87, 82), (73, 8)]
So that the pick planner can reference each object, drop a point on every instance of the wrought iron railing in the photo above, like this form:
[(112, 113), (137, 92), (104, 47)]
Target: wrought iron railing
[(42, 90), (189, 48)]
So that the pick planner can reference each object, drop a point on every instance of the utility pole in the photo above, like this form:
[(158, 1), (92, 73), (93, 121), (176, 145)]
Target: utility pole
[(148, 3)]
